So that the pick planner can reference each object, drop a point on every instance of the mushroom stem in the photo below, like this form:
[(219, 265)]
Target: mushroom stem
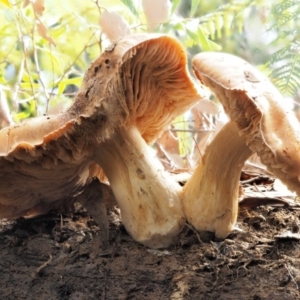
[(148, 198), (210, 197)]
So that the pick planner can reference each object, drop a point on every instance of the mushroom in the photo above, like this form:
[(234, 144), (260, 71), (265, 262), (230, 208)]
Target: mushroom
[(149, 86), (128, 96), (259, 123)]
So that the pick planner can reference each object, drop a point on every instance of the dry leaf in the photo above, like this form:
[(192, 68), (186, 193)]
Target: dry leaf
[(207, 107), (113, 25), (252, 202), (288, 235), (254, 166), (168, 151), (38, 6), (156, 11), (204, 128), (169, 142), (279, 186), (26, 3), (42, 30)]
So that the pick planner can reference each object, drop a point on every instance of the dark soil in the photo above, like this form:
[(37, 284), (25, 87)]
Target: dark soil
[(61, 257)]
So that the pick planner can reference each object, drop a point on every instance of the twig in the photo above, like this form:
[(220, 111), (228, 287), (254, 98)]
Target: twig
[(17, 84), (61, 221), (254, 179), (191, 130), (197, 234), (186, 156), (43, 266), (105, 286), (166, 156), (250, 180), (258, 190), (199, 150), (70, 66), (24, 65), (37, 67), (292, 277)]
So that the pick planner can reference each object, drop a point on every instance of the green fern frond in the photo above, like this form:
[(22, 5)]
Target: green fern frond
[(284, 18), (284, 63), (282, 6), (225, 17), (284, 15), (285, 66)]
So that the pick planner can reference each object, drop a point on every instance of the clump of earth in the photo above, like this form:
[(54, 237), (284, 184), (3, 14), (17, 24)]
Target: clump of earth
[(61, 256)]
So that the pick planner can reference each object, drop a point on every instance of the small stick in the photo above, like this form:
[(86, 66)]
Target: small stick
[(292, 277), (61, 221), (43, 266), (197, 234)]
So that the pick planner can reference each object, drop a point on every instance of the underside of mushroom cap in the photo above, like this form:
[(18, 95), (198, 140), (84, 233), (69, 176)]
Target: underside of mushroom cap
[(29, 189), (142, 81), (259, 110), (42, 166), (159, 87)]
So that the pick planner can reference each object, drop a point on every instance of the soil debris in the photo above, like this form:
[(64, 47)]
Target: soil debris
[(65, 255)]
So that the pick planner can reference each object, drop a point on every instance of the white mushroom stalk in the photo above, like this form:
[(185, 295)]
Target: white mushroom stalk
[(262, 123), (210, 196), (148, 198)]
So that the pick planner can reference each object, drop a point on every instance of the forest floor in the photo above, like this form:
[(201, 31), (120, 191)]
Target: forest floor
[(61, 257)]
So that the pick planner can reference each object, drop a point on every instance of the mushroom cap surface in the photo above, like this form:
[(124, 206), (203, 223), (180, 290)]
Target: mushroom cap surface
[(258, 109)]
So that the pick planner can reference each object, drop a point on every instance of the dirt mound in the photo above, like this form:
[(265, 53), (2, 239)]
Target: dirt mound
[(61, 257)]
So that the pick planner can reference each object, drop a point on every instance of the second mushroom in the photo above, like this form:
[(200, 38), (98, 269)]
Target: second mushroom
[(259, 123)]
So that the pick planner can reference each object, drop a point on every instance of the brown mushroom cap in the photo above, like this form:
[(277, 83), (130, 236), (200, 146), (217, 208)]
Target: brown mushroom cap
[(258, 109)]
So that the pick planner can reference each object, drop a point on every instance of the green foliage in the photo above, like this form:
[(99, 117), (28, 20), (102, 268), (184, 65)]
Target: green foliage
[(130, 4), (226, 19), (175, 4), (194, 6), (286, 68), (284, 63), (280, 20), (44, 52)]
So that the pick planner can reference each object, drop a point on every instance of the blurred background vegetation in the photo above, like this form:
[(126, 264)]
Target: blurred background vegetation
[(46, 45)]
